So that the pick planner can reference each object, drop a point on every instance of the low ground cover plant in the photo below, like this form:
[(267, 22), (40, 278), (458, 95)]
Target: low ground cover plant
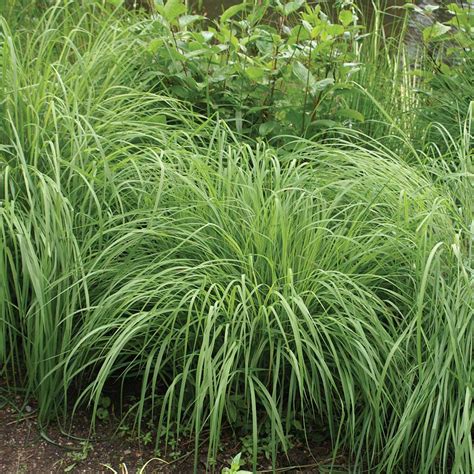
[(310, 282)]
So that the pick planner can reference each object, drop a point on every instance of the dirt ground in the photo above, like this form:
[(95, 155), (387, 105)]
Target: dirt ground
[(24, 448)]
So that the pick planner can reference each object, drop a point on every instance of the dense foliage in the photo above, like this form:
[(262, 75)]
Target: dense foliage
[(263, 223)]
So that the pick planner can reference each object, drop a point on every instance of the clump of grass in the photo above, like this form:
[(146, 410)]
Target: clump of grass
[(74, 109), (290, 288), (242, 286)]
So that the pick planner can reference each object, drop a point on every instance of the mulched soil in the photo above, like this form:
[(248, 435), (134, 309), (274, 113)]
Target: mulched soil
[(25, 449)]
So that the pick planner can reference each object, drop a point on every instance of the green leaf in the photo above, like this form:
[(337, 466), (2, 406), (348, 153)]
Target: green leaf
[(434, 31), (207, 35), (187, 20), (232, 412), (266, 128), (235, 465), (255, 73), (454, 8), (351, 114), (297, 424), (322, 84), (175, 55), (158, 118), (232, 11), (102, 413), (105, 402), (155, 45), (318, 124), (173, 9), (345, 17), (430, 8), (291, 7), (303, 74), (335, 30), (298, 33)]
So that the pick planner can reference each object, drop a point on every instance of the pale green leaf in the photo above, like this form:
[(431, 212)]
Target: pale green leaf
[(434, 31), (187, 20), (291, 7), (155, 45), (255, 73), (345, 17)]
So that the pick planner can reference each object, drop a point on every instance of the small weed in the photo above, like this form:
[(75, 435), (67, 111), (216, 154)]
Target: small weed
[(79, 456), (235, 466), (103, 410)]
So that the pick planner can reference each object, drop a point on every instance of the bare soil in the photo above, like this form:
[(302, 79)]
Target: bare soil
[(25, 448)]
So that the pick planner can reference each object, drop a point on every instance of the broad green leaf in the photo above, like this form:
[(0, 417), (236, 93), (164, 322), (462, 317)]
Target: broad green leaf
[(345, 17), (105, 402), (445, 69), (434, 31), (267, 127), (173, 8), (298, 33), (159, 118), (176, 55), (324, 124), (322, 84), (187, 20), (255, 73), (454, 8), (232, 11), (291, 7), (351, 114), (335, 29), (431, 8), (303, 74), (155, 45), (307, 25)]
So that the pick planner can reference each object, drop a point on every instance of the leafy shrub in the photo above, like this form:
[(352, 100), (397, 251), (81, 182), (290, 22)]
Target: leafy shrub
[(280, 68), (449, 70)]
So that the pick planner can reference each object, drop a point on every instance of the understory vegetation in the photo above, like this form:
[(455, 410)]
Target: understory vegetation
[(259, 224)]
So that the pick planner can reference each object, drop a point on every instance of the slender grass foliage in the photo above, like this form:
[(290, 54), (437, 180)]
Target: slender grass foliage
[(323, 285)]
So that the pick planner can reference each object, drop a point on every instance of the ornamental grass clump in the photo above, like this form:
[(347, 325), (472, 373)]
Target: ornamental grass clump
[(230, 286)]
